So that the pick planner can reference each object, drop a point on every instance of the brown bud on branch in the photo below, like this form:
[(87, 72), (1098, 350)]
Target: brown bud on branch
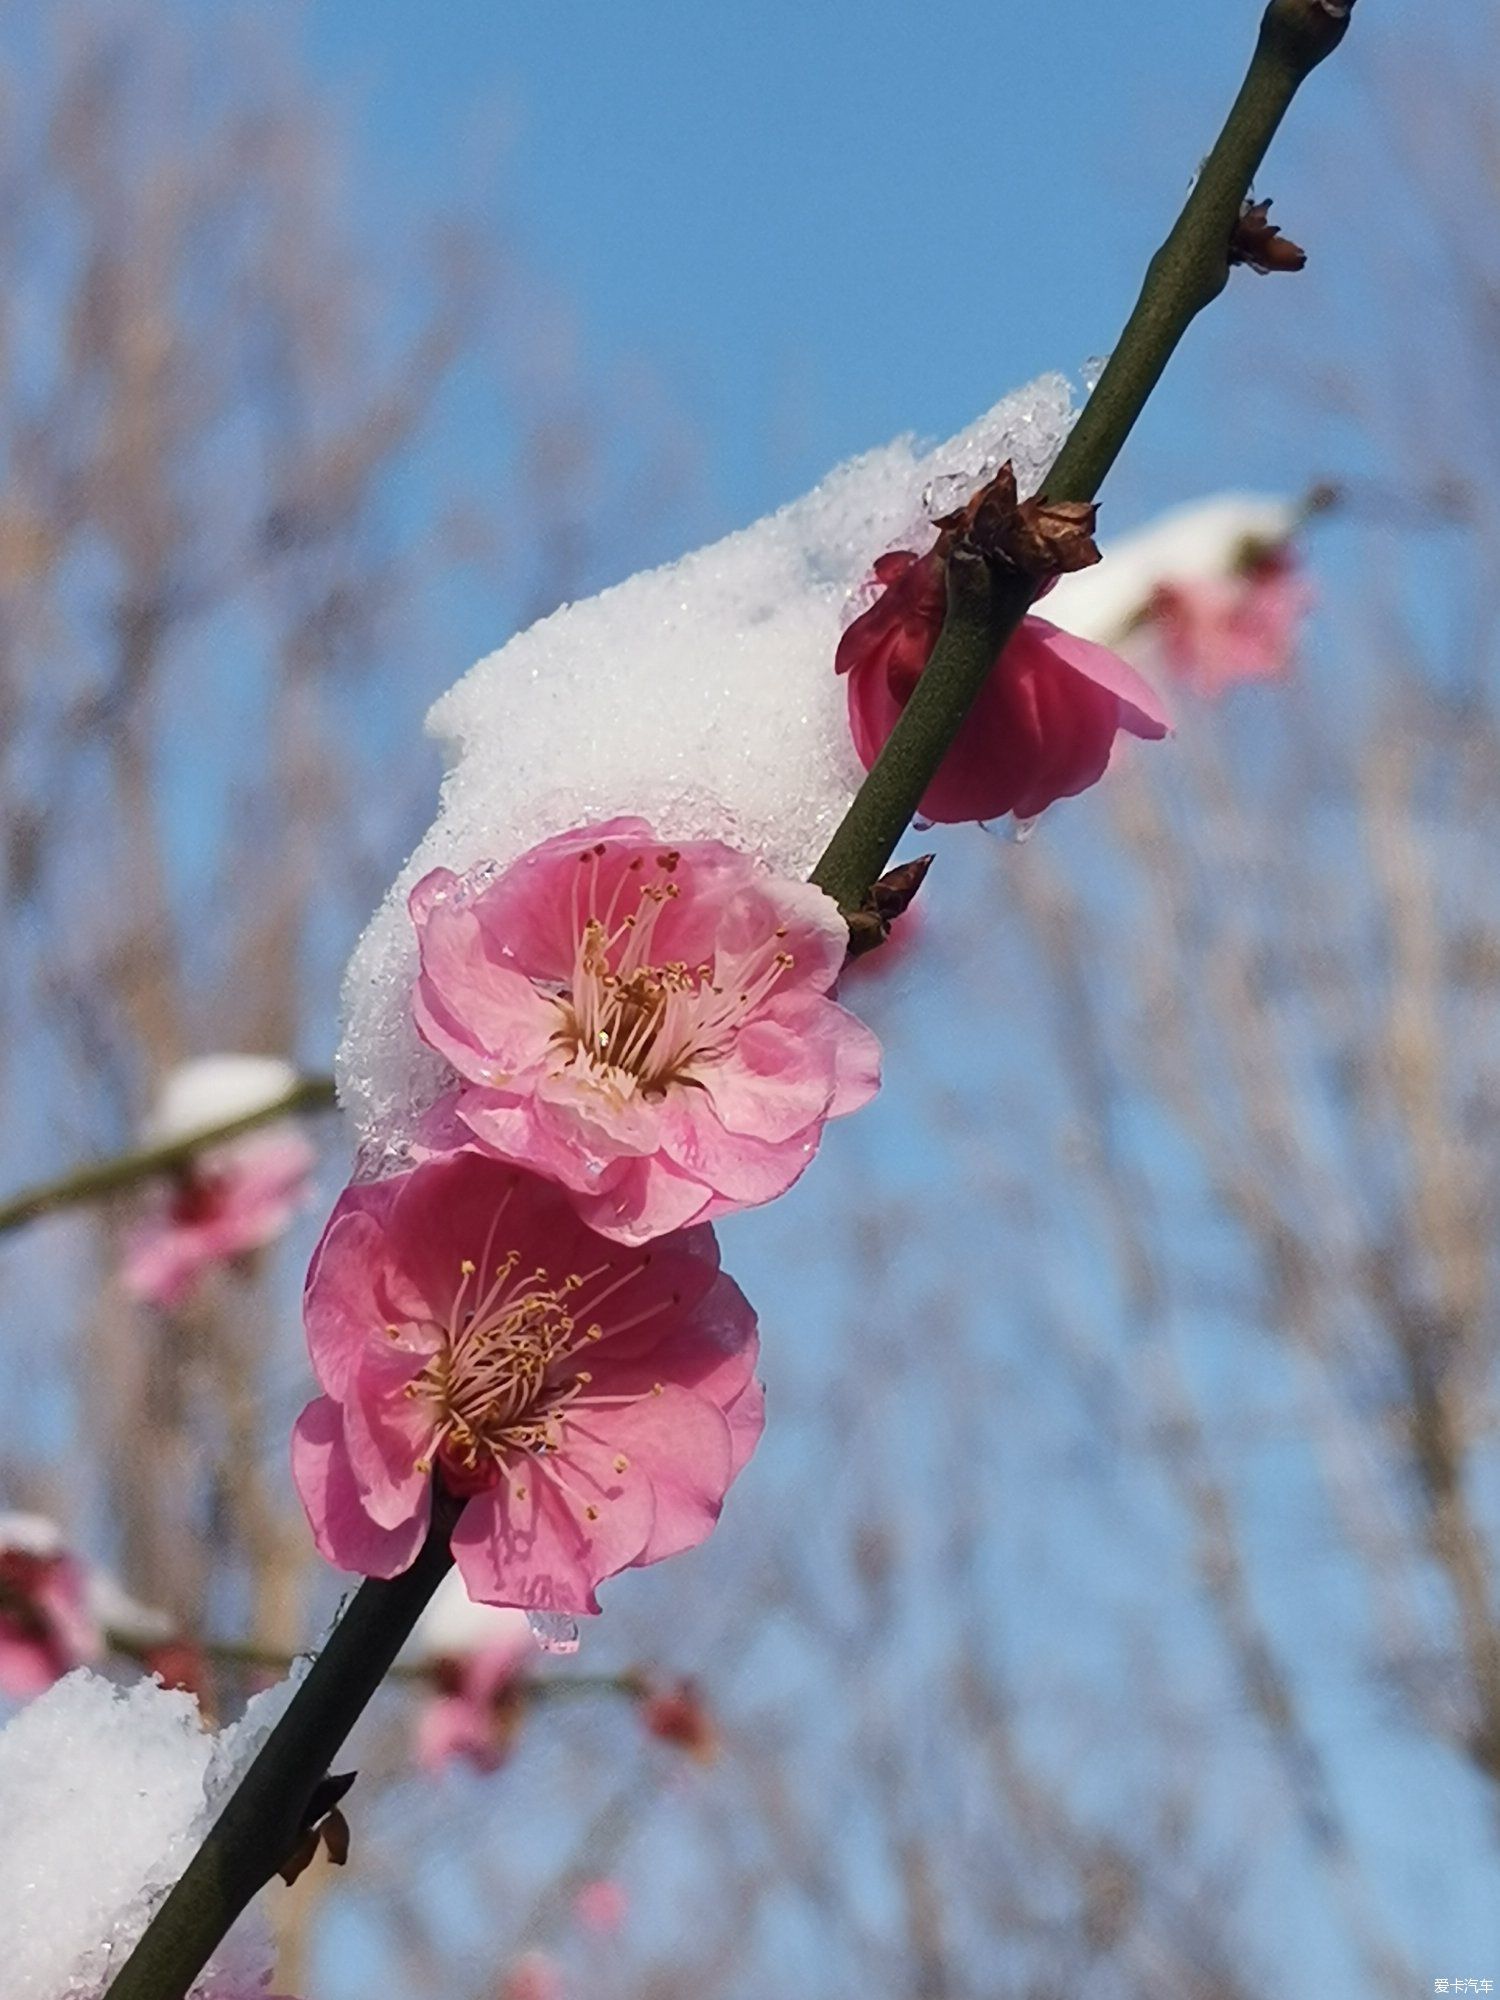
[(1036, 538), (891, 897), (1259, 243)]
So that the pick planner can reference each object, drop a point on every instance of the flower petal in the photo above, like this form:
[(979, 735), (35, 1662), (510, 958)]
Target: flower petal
[(1145, 712), (343, 1531)]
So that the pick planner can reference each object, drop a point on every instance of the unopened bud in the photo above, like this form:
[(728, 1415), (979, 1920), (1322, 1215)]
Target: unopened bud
[(1258, 243), (677, 1714)]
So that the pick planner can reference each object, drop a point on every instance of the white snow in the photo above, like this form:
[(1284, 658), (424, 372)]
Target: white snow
[(214, 1090), (1197, 543), (453, 1627), (701, 695), (31, 1535), (106, 1792)]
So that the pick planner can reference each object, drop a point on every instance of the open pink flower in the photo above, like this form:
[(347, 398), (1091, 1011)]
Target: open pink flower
[(1043, 725), (645, 1024), (45, 1626), (229, 1201), (1218, 630), (474, 1713), (592, 1401)]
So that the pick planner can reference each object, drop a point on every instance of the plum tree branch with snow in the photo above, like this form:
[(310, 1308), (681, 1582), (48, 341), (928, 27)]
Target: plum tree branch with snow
[(157, 1162), (985, 608), (266, 1816)]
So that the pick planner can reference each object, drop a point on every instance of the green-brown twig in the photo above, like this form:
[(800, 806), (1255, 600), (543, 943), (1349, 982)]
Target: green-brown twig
[(125, 1170), (261, 1821)]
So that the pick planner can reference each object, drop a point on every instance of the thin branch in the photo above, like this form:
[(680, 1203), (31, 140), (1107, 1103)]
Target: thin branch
[(313, 1093), (264, 1818), (633, 1682)]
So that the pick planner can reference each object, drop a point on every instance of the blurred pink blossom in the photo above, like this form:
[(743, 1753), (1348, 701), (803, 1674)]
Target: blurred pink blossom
[(1216, 631), (646, 1024), (45, 1626), (474, 1713), (592, 1402), (905, 936), (601, 1906), (230, 1199), (533, 1977), (1216, 588)]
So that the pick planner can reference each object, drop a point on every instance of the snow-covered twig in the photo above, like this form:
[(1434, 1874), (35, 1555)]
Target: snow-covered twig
[(144, 1163)]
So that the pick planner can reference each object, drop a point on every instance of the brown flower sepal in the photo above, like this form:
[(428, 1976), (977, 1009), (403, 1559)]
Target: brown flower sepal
[(1259, 243), (891, 897), (324, 1826), (1039, 538)]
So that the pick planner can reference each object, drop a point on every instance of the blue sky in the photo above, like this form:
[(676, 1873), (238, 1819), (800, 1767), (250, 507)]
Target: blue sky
[(822, 225)]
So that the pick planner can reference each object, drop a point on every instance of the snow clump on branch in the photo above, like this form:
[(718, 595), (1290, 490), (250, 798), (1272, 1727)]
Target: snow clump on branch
[(698, 696)]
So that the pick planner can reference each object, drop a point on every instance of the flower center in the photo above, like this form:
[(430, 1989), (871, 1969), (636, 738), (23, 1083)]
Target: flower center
[(635, 1025), (491, 1384), (504, 1385)]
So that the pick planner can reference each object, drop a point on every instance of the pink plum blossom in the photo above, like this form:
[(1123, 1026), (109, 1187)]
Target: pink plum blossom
[(592, 1402), (648, 1025), (1044, 723), (229, 1200), (45, 1626), (534, 1976), (1216, 631), (1216, 590), (473, 1656), (601, 1906), (473, 1713)]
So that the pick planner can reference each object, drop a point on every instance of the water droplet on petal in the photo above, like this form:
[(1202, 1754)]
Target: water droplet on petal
[(1091, 370), (554, 1631), (1013, 832)]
